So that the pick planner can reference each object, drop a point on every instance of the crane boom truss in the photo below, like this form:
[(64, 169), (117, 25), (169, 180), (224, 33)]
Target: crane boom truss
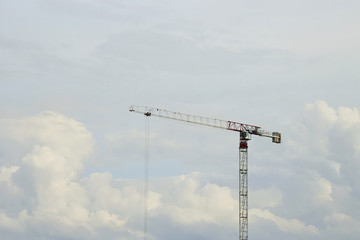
[(245, 131), (205, 121)]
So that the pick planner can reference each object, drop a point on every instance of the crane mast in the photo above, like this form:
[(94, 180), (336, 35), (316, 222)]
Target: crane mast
[(245, 130)]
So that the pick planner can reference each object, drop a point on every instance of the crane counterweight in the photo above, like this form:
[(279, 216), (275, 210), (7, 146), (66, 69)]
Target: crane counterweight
[(276, 137)]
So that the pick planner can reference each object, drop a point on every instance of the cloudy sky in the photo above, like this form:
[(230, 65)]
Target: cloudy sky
[(72, 155)]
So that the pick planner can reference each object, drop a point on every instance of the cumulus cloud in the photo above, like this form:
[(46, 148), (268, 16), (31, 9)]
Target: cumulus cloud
[(320, 115), (340, 138), (54, 199), (192, 202), (45, 194), (323, 148), (64, 135), (13, 224), (6, 178), (286, 225), (265, 198), (49, 180), (342, 224)]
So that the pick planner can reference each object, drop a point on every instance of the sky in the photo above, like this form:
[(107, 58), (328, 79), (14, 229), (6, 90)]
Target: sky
[(72, 155)]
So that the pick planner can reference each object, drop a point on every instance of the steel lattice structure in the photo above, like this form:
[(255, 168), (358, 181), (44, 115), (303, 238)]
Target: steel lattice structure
[(245, 130), (243, 188)]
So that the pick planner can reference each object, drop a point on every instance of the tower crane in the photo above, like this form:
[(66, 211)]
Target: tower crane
[(245, 131)]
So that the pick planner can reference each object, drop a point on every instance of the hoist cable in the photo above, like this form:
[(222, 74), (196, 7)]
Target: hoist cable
[(146, 176)]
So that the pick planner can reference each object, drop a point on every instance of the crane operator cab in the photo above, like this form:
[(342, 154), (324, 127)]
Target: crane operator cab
[(245, 136)]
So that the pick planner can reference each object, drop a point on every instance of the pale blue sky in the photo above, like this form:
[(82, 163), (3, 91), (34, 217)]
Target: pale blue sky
[(288, 66)]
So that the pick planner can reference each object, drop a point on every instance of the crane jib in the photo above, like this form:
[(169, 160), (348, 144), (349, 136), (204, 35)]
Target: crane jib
[(205, 121)]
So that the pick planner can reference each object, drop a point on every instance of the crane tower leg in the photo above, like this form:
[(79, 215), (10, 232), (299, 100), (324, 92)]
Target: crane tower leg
[(243, 187)]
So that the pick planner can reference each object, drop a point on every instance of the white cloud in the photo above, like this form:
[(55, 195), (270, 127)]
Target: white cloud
[(256, 62), (126, 201), (326, 139), (348, 117), (286, 225), (50, 196), (6, 178), (265, 198), (50, 173), (60, 145), (104, 218), (13, 224), (318, 189), (5, 174), (337, 218), (320, 115), (324, 190), (342, 225), (190, 202), (64, 135), (320, 151)]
